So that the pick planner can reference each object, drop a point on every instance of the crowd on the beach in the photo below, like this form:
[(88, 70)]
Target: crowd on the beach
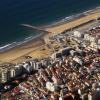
[(72, 76)]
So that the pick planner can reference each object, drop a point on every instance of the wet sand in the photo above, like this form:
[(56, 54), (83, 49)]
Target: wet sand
[(31, 47), (57, 28), (21, 50)]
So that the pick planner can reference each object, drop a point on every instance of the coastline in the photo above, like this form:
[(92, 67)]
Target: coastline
[(75, 21), (46, 27), (12, 45), (32, 43), (70, 18), (21, 50)]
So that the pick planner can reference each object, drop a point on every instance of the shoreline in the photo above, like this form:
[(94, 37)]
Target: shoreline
[(21, 50), (67, 19), (55, 26), (12, 45), (29, 45)]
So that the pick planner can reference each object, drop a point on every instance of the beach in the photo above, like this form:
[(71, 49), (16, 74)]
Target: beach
[(32, 48), (58, 28), (21, 50)]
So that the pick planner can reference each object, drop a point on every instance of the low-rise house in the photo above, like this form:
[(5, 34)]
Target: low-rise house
[(24, 87), (52, 87), (77, 34), (78, 60), (93, 36)]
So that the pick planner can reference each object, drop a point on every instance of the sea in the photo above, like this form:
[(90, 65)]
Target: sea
[(14, 13)]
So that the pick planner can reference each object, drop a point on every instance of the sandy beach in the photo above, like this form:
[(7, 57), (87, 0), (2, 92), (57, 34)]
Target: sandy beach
[(57, 28), (31, 48), (21, 50)]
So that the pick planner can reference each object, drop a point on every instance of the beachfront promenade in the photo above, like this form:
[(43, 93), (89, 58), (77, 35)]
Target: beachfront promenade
[(30, 47)]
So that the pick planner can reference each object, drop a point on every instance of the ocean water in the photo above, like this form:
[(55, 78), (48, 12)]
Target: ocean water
[(13, 13)]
